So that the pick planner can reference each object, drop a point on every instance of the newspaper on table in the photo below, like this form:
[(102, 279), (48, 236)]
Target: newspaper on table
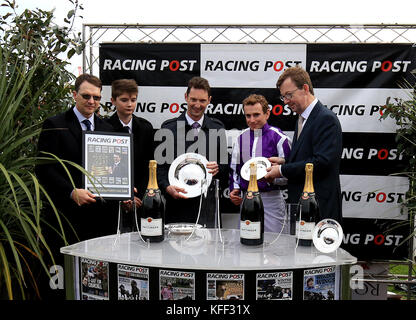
[(320, 284), (94, 279), (133, 282), (225, 286), (274, 285), (176, 285)]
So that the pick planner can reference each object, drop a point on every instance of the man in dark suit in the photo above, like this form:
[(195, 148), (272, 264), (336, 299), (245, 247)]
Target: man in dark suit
[(124, 98), (192, 130), (317, 139), (62, 136)]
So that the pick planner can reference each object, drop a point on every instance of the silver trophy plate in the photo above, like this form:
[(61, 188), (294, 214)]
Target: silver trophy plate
[(182, 228), (262, 164), (188, 171), (327, 235)]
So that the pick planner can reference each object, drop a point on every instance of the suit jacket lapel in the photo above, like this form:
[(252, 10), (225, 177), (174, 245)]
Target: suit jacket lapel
[(135, 125), (98, 124), (115, 122), (205, 123), (183, 118), (73, 124), (305, 130)]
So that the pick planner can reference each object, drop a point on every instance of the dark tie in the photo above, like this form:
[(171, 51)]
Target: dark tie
[(126, 129), (87, 124), (195, 127)]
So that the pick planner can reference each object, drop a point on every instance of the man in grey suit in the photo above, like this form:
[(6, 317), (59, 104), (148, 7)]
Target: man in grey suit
[(317, 139)]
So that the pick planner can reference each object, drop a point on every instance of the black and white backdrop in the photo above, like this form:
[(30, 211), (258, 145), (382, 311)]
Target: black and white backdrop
[(353, 80)]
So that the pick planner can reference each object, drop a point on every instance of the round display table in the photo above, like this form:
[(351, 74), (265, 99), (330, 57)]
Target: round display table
[(207, 264)]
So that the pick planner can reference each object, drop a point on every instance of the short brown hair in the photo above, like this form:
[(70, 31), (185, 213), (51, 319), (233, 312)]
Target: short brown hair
[(199, 83), (89, 78), (120, 86), (252, 99), (298, 75)]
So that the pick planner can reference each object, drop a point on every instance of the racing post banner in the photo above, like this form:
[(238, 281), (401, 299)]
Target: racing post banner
[(352, 80)]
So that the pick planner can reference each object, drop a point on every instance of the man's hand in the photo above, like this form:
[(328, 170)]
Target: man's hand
[(272, 173), (82, 196), (138, 202), (213, 167), (174, 192), (235, 197), (276, 160), (128, 205)]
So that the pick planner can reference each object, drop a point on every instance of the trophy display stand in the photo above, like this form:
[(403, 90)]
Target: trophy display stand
[(127, 218), (204, 258), (196, 259)]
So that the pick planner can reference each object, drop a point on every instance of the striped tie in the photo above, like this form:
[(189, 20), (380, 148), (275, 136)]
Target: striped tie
[(195, 127)]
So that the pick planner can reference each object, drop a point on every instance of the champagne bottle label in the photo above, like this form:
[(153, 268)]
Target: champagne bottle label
[(304, 230), (151, 227), (250, 229), (309, 209)]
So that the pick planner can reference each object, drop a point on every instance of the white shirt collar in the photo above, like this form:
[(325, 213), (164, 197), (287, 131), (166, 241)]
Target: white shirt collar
[(191, 121), (81, 118), (305, 114), (130, 124)]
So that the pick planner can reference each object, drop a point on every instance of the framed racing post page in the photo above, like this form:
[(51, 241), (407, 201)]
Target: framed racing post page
[(108, 158)]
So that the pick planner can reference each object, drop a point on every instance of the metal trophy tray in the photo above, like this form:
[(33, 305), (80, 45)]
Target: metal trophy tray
[(182, 228), (327, 235), (188, 171), (262, 164)]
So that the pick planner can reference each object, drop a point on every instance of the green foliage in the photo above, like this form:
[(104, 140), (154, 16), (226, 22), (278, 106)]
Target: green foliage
[(28, 35), (403, 111), (34, 84)]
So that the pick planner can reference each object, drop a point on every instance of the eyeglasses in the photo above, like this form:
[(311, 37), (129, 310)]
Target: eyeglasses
[(88, 97), (288, 95)]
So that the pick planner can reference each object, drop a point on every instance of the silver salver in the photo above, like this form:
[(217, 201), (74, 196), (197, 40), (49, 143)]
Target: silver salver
[(188, 171), (262, 164), (327, 235)]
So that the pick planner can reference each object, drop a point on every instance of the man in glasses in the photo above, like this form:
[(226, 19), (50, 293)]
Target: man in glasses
[(62, 136), (317, 139)]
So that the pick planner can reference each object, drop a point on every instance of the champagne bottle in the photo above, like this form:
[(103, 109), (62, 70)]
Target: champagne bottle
[(252, 213), (309, 207), (152, 215)]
